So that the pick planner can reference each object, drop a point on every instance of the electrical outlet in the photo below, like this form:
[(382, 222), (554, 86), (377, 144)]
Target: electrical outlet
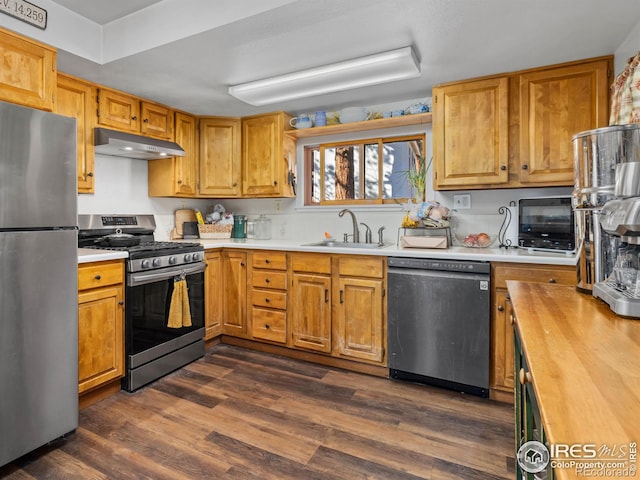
[(462, 202), (277, 205)]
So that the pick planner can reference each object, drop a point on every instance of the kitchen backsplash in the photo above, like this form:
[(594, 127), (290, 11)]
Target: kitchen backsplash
[(121, 187)]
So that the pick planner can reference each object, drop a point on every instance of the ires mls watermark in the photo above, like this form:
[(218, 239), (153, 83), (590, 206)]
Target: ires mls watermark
[(586, 460)]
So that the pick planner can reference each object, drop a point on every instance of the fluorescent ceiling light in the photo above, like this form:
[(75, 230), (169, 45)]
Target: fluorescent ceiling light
[(384, 67)]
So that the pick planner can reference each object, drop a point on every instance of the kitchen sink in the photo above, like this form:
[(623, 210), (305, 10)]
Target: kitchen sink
[(346, 245)]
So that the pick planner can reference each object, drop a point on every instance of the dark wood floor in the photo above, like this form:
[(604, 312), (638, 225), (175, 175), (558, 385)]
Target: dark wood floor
[(239, 414)]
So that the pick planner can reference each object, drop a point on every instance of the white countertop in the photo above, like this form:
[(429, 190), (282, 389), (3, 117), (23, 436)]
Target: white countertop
[(86, 255), (514, 255)]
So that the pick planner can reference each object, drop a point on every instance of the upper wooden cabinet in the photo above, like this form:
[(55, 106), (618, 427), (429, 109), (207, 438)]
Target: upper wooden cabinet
[(27, 71), (471, 133), (514, 130), (176, 176), (76, 98), (555, 104), (126, 112), (220, 162), (267, 156)]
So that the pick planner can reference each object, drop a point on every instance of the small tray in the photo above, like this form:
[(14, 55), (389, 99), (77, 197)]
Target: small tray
[(411, 241)]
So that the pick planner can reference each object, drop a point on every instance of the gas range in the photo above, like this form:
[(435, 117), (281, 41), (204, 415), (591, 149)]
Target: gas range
[(148, 254)]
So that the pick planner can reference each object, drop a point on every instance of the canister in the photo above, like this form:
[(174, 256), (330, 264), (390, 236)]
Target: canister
[(262, 228), (239, 226)]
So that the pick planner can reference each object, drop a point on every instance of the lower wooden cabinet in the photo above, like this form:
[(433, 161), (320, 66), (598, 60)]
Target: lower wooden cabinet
[(359, 304), (100, 324), (268, 297), (234, 274), (502, 379), (214, 294)]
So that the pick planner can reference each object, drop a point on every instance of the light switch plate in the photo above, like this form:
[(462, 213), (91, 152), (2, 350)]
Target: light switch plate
[(462, 202)]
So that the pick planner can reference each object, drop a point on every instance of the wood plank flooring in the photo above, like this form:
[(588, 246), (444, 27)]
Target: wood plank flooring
[(241, 414)]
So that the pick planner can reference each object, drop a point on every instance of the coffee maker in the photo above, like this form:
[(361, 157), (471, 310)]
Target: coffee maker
[(620, 218), (596, 155)]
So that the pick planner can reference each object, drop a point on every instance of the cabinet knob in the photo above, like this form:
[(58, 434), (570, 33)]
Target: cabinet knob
[(120, 303), (326, 295), (503, 167), (267, 326), (275, 182), (500, 308), (267, 261), (179, 182), (235, 184), (266, 280), (267, 300), (525, 167), (146, 120), (90, 174), (552, 280), (97, 277), (524, 377), (134, 118), (242, 264)]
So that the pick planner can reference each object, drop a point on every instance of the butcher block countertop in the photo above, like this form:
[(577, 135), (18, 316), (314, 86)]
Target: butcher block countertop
[(584, 361)]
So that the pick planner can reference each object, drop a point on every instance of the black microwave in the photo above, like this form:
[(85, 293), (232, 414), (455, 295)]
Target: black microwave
[(546, 223)]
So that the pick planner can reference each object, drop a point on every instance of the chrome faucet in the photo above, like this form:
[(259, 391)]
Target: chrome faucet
[(356, 232), (367, 233)]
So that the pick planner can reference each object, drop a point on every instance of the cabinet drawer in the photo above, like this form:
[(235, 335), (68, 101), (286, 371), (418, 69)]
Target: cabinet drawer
[(563, 275), (269, 279), (269, 324), (358, 266), (311, 262), (95, 275), (272, 260), (269, 298)]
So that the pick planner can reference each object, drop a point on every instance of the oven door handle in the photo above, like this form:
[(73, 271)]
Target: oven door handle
[(142, 278)]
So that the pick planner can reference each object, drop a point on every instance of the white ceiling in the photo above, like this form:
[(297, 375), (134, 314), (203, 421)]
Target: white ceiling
[(185, 53)]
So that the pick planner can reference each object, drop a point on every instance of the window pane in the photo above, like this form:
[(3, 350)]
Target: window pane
[(316, 176), (371, 171), (342, 172), (399, 158)]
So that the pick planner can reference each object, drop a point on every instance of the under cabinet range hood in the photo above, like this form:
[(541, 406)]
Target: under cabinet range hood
[(121, 144)]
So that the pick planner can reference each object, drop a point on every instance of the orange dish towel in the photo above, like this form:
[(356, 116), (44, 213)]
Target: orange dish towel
[(179, 310)]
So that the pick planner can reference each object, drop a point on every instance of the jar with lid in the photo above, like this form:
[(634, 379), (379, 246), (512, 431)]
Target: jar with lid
[(262, 228)]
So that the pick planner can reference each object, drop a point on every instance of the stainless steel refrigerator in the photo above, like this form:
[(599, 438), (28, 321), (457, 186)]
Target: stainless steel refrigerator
[(38, 279)]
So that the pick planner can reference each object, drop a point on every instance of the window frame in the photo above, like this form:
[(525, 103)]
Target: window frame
[(360, 144)]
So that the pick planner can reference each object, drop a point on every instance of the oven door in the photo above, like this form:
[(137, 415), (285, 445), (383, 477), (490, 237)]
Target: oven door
[(147, 300)]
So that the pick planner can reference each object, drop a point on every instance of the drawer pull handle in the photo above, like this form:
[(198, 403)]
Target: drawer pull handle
[(552, 280), (524, 376), (266, 280), (267, 326), (97, 277), (267, 261), (341, 296), (500, 308), (266, 300), (326, 295)]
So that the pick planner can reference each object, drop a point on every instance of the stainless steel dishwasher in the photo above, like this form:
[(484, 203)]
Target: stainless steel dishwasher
[(439, 322)]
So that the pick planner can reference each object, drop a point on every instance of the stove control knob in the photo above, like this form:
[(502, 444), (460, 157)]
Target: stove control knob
[(196, 257), (187, 257), (173, 260), (156, 262), (145, 264)]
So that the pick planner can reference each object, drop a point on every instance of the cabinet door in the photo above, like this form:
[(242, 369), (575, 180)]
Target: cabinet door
[(263, 162), (75, 98), (311, 312), (214, 293), (235, 293), (359, 319), (118, 110), (176, 176), (100, 337), (471, 133), (220, 158), (502, 353), (555, 104), (157, 121), (27, 71)]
